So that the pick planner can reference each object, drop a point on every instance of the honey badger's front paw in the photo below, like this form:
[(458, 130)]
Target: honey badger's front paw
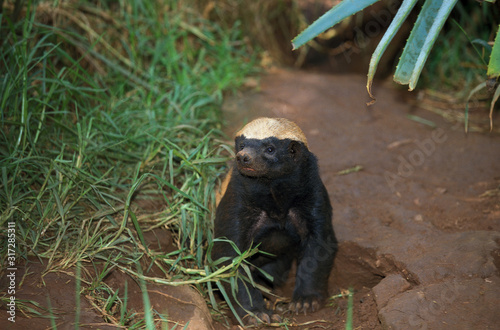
[(304, 303)]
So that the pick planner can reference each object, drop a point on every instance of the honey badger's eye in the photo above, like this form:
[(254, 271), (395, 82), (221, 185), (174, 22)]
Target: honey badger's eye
[(270, 149), (241, 146)]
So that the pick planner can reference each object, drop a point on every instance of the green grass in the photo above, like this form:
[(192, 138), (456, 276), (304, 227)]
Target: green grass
[(106, 110), (103, 107)]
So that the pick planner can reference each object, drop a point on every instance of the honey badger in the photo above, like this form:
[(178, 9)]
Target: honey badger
[(273, 197)]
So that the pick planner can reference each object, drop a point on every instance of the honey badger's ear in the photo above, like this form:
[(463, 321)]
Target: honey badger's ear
[(295, 148)]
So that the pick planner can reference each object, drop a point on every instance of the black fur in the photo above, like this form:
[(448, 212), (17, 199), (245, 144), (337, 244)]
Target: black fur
[(275, 198)]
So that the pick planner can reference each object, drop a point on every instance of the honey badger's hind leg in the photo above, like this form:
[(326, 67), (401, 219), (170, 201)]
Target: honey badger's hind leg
[(279, 268), (251, 301)]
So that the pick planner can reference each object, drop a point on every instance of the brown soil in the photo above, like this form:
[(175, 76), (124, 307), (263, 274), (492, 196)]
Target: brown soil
[(418, 225)]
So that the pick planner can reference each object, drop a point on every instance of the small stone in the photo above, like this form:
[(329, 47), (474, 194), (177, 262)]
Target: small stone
[(390, 286)]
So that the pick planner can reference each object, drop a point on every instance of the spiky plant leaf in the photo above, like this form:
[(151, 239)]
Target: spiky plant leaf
[(335, 15)]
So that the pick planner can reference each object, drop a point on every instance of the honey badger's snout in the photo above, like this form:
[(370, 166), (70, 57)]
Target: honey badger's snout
[(249, 163), (245, 157)]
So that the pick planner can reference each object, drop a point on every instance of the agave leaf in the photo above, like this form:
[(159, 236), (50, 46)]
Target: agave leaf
[(401, 15), (494, 64), (423, 35), (341, 11), (473, 91), (493, 101)]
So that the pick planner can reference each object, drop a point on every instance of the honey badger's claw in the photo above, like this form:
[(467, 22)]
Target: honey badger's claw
[(295, 307), (304, 305), (276, 318), (315, 306), (264, 317)]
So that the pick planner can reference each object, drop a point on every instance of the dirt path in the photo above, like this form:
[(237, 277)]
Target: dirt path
[(419, 225)]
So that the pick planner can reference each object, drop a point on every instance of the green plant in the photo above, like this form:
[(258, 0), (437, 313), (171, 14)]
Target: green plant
[(104, 109), (348, 322), (429, 23)]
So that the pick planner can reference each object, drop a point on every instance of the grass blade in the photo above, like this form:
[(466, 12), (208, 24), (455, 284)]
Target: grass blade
[(348, 321), (148, 313), (78, 287)]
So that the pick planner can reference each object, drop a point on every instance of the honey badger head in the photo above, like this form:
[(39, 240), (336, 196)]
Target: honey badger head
[(270, 148)]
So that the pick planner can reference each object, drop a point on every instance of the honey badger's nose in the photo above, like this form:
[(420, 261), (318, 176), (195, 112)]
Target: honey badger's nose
[(244, 158)]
